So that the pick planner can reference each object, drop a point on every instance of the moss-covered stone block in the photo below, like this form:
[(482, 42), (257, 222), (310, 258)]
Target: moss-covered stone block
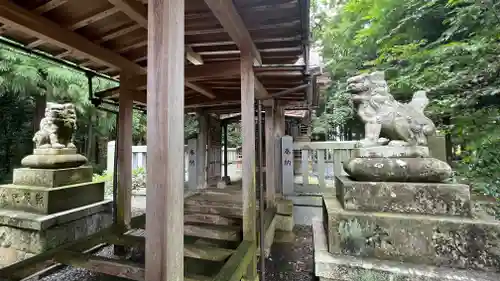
[(404, 197), (284, 206), (330, 267), (433, 240), (52, 177), (50, 200), (284, 222), (17, 244)]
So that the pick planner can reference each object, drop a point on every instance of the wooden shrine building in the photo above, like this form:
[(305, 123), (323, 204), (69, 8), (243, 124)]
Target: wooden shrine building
[(211, 57)]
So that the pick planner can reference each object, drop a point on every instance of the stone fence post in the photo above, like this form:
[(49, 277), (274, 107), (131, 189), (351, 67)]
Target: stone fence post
[(111, 156), (192, 164), (287, 176)]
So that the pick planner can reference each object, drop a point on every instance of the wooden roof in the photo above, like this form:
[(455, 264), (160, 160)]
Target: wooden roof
[(110, 37)]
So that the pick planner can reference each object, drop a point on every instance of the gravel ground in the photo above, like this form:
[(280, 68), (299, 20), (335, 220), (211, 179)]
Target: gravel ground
[(292, 261), (287, 262)]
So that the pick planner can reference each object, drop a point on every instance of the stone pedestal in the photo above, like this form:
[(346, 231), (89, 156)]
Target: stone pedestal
[(379, 228), (49, 204)]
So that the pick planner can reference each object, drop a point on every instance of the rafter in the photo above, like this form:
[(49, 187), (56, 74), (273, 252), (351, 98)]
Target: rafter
[(38, 26), (49, 6), (134, 10), (139, 13), (40, 10), (233, 24), (81, 23), (107, 37), (200, 89), (196, 72)]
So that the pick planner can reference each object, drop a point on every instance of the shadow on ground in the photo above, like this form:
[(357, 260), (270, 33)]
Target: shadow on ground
[(291, 261)]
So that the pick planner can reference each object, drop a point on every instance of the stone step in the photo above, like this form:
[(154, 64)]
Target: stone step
[(404, 197), (193, 248), (205, 252), (211, 219), (229, 233), (330, 267), (226, 210), (432, 240)]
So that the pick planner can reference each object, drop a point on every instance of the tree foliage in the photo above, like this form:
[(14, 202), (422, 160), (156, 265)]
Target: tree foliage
[(24, 78), (448, 47)]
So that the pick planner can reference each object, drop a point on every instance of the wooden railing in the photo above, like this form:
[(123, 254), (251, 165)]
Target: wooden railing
[(313, 164)]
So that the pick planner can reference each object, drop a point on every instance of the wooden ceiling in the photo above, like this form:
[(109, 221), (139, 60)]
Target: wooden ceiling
[(110, 36)]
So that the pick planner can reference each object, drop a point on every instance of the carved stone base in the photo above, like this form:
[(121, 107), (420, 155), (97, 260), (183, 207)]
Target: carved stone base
[(52, 177), (43, 200), (54, 161)]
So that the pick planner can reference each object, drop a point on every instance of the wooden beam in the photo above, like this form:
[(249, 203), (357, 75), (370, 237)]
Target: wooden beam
[(212, 104), (117, 33), (38, 26), (287, 91), (134, 10), (138, 12), (40, 10), (233, 24), (193, 57), (248, 156), (124, 192), (200, 89), (81, 23), (196, 72), (108, 93), (260, 89), (122, 30), (165, 196), (49, 6), (234, 268), (256, 41)]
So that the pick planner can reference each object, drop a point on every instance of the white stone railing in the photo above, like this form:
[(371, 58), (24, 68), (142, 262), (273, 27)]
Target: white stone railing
[(313, 164)]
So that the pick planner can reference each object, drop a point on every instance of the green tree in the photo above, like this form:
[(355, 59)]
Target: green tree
[(448, 47)]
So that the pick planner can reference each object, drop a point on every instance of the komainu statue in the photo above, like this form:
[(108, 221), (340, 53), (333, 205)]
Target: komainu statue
[(381, 113), (57, 127)]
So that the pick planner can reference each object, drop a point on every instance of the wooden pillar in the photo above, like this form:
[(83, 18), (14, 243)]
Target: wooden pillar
[(248, 157), (165, 110), (270, 163), (279, 132), (124, 191), (201, 146)]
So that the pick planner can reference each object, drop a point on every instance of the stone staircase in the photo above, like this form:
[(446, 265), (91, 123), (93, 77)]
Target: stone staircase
[(377, 231)]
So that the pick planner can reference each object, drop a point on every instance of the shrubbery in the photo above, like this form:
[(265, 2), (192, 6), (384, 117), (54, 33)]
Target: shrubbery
[(138, 180)]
